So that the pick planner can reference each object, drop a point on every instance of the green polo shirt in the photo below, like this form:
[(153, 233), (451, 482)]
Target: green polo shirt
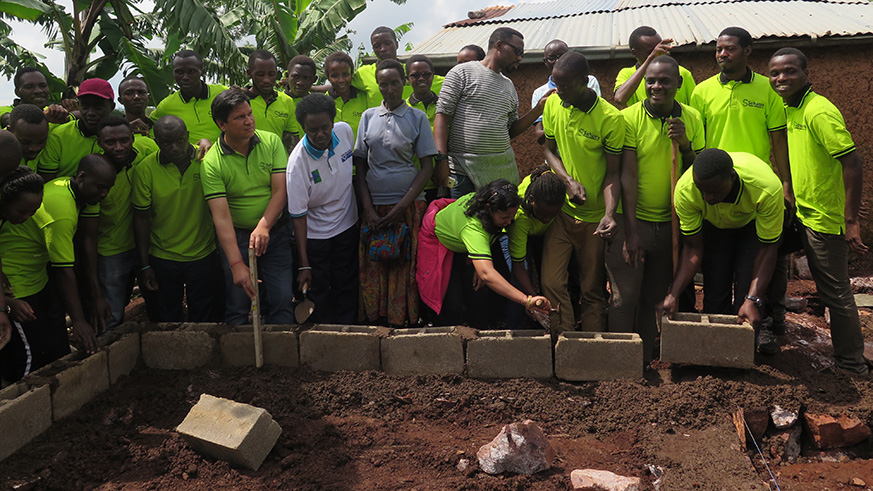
[(196, 112), (430, 111), (524, 225), (350, 112), (160, 189), (683, 95), (364, 78), (24, 257), (817, 138), (759, 198), (275, 114), (116, 215), (244, 180), (66, 146), (58, 218), (460, 233), (584, 137), (31, 163), (739, 115), (646, 134)]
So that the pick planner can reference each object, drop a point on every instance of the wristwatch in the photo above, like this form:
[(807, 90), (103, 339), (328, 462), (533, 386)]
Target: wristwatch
[(6, 308), (758, 300), (441, 156)]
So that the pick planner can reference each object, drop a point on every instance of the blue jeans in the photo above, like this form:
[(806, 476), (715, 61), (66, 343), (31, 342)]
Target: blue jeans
[(116, 273), (275, 270), (198, 282), (463, 186)]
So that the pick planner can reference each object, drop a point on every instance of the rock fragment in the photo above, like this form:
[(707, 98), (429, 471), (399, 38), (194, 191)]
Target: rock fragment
[(597, 480), (830, 432), (519, 448), (783, 418)]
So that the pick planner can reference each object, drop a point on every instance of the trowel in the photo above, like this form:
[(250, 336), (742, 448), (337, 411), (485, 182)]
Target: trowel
[(304, 309)]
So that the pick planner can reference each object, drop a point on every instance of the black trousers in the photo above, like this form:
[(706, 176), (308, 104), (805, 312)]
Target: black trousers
[(728, 266), (37, 343), (334, 288)]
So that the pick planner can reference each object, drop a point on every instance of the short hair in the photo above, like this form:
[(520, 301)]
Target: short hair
[(338, 57), (315, 104), (391, 65), (792, 51), (261, 54), (132, 78), (502, 34), (384, 30), (741, 34), (496, 196), (189, 53), (419, 59), (21, 180), (303, 60), (24, 71), (669, 61), (574, 63), (28, 113), (111, 122), (92, 163), (557, 42), (480, 53), (167, 123), (545, 187), (225, 102), (640, 32), (712, 162)]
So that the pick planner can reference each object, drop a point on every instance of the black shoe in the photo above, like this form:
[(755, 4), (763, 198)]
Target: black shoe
[(767, 344)]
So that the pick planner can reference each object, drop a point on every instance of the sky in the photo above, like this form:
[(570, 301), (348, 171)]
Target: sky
[(428, 16)]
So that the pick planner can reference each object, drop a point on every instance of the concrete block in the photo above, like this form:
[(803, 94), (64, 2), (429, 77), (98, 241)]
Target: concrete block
[(707, 339), (122, 356), (227, 430), (588, 356), (332, 348), (80, 383), (280, 348), (431, 350), (24, 417), (177, 350), (510, 354)]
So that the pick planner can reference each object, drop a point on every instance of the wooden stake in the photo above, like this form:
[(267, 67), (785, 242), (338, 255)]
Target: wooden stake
[(674, 177), (256, 309)]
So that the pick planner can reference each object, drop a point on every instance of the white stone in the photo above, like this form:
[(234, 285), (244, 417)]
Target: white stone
[(596, 480), (783, 418), (519, 448)]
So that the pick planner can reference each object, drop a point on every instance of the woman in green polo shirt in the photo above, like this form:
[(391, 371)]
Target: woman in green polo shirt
[(467, 226), (38, 337), (351, 102)]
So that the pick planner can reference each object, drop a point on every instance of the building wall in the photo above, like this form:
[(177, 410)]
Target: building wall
[(839, 73)]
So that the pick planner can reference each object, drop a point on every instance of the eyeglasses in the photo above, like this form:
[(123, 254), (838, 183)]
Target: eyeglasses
[(552, 58), (424, 75), (518, 51)]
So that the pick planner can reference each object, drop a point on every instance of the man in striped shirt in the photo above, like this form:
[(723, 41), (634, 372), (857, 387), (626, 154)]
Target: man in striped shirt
[(477, 115)]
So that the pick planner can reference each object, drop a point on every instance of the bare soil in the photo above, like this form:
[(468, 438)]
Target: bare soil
[(371, 431)]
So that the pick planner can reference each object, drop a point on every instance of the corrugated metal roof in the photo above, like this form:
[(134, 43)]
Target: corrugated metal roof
[(687, 24), (486, 14)]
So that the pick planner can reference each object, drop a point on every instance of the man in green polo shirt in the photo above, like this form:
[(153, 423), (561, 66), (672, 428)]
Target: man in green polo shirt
[(640, 261), (27, 122), (116, 257), (69, 142), (193, 101), (178, 261), (646, 45), (273, 110), (584, 137), (828, 179), (133, 94), (243, 178), (31, 87), (730, 209), (302, 73)]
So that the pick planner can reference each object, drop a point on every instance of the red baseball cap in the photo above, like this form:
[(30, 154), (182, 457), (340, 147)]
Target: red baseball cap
[(98, 87)]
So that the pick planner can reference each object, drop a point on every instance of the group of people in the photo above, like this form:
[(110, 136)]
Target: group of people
[(391, 195)]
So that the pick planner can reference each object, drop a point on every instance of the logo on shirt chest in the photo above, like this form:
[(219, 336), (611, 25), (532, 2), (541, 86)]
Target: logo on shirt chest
[(347, 156), (196, 177), (589, 135), (315, 177), (281, 114), (753, 104), (799, 126), (266, 166)]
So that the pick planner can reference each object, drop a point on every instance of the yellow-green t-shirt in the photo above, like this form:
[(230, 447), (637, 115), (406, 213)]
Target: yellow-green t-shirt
[(24, 257), (683, 94), (817, 138), (58, 217), (739, 115), (163, 191), (364, 78), (350, 112), (246, 181), (523, 227), (584, 138), (275, 115), (115, 224), (460, 233), (66, 146), (646, 134), (196, 112), (759, 198)]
